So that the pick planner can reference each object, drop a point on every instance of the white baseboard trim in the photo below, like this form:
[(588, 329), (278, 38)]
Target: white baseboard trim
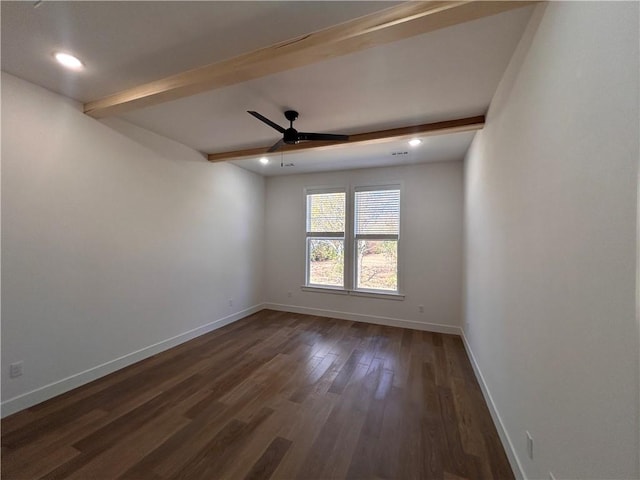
[(358, 317), (58, 387), (516, 466)]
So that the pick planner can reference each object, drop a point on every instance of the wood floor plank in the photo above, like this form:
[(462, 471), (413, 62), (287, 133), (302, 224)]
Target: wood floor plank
[(255, 446), (22, 461), (174, 451), (457, 455), (114, 461), (48, 460), (391, 433), (115, 435), (14, 422), (313, 378), (431, 441), (355, 402), (303, 430), (471, 436), (273, 395), (265, 466), (211, 461), (341, 380)]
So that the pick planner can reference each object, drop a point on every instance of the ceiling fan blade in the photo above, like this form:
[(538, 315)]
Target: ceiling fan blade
[(276, 146), (264, 119), (322, 136)]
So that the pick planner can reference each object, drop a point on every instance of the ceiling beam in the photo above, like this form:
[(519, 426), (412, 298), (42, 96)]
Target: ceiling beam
[(389, 25), (427, 129)]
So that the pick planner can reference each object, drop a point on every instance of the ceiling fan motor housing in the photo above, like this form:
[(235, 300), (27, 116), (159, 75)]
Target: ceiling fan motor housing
[(291, 136)]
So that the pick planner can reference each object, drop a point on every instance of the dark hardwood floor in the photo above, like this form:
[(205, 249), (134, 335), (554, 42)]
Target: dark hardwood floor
[(275, 395)]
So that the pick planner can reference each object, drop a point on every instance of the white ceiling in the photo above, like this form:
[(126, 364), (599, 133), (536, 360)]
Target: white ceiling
[(124, 43), (442, 75)]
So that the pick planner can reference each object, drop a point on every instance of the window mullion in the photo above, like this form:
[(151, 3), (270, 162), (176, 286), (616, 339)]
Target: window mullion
[(349, 258)]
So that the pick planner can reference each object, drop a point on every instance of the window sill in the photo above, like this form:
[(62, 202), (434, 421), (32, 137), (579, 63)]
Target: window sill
[(385, 295), (334, 290), (355, 293)]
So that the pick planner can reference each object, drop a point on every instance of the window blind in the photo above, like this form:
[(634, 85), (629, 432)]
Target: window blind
[(326, 212), (377, 212)]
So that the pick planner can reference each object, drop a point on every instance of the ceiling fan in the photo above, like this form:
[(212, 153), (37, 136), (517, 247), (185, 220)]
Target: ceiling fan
[(291, 136)]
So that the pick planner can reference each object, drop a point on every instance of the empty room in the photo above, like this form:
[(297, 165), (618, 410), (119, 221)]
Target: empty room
[(320, 240)]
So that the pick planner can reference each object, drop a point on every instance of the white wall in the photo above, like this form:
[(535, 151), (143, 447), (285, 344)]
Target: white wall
[(113, 239), (430, 241), (551, 243)]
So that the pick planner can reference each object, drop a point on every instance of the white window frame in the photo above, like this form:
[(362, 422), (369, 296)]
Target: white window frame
[(354, 267), (350, 243), (325, 236)]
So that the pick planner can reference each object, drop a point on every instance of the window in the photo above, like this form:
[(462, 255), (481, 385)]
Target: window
[(352, 240), (325, 238), (377, 228)]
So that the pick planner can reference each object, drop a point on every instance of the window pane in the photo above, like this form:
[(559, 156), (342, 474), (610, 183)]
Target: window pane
[(325, 212), (377, 212), (377, 266), (326, 262)]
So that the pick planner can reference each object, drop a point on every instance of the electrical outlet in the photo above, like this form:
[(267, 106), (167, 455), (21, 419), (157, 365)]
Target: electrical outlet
[(421, 308), (289, 294), (15, 369), (529, 445), (231, 302)]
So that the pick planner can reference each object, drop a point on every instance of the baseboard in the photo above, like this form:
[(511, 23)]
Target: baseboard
[(358, 317), (516, 466), (51, 390)]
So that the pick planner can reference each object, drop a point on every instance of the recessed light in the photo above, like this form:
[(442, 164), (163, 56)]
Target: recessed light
[(68, 61), (414, 142), (264, 160)]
